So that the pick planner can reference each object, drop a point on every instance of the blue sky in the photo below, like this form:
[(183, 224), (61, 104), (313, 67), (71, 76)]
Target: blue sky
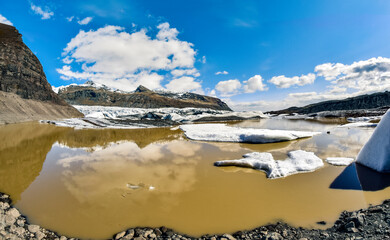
[(270, 54)]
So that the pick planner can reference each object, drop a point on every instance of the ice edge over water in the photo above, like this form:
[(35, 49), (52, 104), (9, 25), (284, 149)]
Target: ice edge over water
[(224, 133), (298, 161), (339, 161)]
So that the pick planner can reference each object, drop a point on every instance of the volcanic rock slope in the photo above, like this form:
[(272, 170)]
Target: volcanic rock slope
[(142, 97), (25, 94)]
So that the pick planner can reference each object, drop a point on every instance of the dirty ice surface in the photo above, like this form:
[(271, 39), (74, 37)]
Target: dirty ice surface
[(224, 133), (298, 161), (359, 124), (122, 117)]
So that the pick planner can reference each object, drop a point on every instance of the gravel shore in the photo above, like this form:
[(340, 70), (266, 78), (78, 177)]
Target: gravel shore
[(370, 223)]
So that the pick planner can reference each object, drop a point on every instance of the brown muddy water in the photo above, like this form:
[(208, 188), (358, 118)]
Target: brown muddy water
[(94, 183)]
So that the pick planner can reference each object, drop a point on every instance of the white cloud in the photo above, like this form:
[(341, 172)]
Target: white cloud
[(85, 21), (222, 73), (229, 87), (344, 81), (69, 19), (203, 59), (67, 60), (184, 84), (116, 58), (4, 20), (190, 72), (303, 95), (329, 70), (254, 84), (166, 33), (45, 14), (337, 89), (363, 76), (233, 87), (286, 82)]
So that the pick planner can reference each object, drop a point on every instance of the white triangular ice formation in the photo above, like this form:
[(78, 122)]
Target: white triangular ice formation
[(375, 153)]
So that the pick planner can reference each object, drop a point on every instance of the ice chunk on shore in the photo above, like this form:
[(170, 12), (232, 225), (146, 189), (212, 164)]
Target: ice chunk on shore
[(375, 153), (339, 161), (224, 133), (298, 161)]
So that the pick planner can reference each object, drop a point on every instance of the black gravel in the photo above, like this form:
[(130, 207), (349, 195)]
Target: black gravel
[(370, 223)]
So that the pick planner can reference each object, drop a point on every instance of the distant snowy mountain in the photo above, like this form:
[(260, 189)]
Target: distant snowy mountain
[(94, 94)]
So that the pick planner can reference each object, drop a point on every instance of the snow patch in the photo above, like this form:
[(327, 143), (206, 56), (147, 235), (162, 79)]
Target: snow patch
[(375, 153), (224, 133), (339, 161), (297, 162)]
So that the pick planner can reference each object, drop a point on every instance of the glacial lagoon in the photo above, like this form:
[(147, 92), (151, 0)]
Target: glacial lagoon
[(93, 183)]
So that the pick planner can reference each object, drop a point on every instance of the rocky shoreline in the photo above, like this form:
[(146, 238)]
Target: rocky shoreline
[(370, 223)]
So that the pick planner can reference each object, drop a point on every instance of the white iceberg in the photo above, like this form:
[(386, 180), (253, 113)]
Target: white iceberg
[(224, 133), (297, 162), (339, 161), (375, 153)]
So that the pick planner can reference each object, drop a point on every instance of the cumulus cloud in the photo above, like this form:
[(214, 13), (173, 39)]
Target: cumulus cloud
[(254, 84), (329, 70), (364, 76), (4, 20), (221, 73), (184, 84), (166, 33), (69, 19), (116, 58), (85, 21), (45, 14), (229, 87), (234, 86), (344, 81), (286, 82), (189, 72)]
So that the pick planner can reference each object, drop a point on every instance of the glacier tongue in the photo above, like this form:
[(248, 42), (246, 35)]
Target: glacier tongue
[(375, 153), (298, 161), (224, 133)]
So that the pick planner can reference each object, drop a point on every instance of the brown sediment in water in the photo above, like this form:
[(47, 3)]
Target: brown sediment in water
[(83, 181)]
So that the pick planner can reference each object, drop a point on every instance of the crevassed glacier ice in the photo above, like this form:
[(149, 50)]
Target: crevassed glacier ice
[(297, 162), (224, 133), (116, 117), (375, 153), (339, 161)]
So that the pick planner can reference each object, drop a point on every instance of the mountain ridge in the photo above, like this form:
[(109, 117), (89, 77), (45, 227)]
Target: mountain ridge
[(142, 97), (367, 101)]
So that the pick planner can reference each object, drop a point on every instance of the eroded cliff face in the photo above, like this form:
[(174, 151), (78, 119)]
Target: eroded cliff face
[(22, 75)]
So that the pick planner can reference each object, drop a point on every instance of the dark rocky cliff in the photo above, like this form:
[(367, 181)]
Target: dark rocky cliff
[(375, 100), (22, 74), (141, 98)]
